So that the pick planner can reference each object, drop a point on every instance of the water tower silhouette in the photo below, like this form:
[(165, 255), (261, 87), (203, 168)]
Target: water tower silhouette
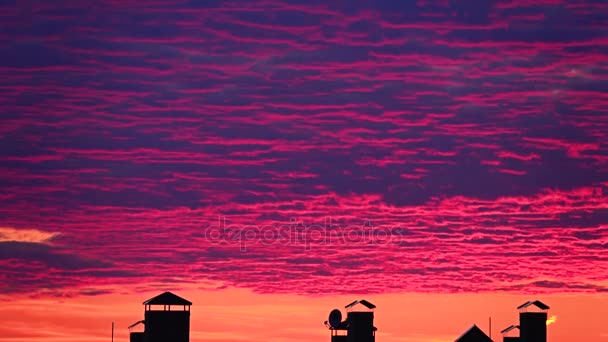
[(358, 326), (533, 324), (166, 319)]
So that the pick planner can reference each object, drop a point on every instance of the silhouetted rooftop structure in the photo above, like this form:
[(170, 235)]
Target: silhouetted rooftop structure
[(474, 334), (510, 334), (533, 324), (136, 324), (536, 303), (358, 325), (167, 298), (362, 302), (509, 329), (166, 319)]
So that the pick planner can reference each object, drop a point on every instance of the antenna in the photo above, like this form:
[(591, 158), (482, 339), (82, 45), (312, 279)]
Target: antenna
[(112, 331), (490, 319), (335, 318)]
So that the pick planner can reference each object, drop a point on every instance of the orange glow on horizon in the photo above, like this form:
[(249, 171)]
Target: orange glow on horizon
[(235, 315)]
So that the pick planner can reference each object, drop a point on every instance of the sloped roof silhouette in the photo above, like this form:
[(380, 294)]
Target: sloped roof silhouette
[(509, 328), (136, 324), (362, 302), (167, 298), (474, 334), (536, 303)]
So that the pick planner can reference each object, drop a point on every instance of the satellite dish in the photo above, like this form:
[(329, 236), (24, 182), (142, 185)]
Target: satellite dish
[(335, 318)]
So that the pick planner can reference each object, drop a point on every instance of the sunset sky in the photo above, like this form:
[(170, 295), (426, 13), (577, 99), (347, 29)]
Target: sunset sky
[(272, 160)]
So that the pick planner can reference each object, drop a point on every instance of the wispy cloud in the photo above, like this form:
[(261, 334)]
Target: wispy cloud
[(26, 235), (475, 133)]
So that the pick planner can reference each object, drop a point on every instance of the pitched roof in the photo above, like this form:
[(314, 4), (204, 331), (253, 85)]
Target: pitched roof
[(136, 323), (473, 334), (536, 303), (509, 328), (167, 298), (362, 302)]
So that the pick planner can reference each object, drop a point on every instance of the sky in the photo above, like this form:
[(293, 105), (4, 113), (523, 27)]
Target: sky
[(443, 159)]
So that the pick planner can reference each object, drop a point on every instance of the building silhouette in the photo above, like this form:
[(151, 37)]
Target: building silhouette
[(474, 334), (532, 326), (166, 319), (532, 323), (510, 334), (358, 325)]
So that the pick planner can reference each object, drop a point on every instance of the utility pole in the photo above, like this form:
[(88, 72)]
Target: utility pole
[(112, 331)]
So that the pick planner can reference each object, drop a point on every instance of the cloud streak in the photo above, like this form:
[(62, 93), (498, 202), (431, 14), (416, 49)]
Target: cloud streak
[(474, 134)]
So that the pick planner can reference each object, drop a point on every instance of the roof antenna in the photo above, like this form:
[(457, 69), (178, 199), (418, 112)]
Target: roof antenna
[(490, 319)]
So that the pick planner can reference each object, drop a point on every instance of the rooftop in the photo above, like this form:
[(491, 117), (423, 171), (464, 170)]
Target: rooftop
[(536, 303), (167, 298), (362, 302), (474, 334), (510, 328)]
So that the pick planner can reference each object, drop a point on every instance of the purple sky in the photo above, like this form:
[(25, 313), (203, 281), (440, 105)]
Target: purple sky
[(470, 135)]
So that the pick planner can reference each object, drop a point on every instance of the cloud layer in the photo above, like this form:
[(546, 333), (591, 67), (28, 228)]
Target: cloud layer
[(469, 139)]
